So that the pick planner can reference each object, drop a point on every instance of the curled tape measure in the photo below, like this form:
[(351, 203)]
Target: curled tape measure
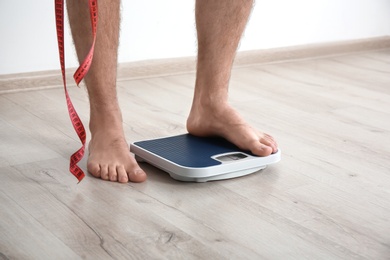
[(78, 76)]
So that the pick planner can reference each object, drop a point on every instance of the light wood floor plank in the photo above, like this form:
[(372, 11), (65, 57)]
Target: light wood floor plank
[(23, 235)]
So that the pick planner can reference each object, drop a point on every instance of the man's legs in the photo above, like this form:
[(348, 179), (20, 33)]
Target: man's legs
[(220, 24), (109, 155)]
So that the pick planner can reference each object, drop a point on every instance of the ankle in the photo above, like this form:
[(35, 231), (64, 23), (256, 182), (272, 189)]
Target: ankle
[(210, 104), (106, 121), (211, 93)]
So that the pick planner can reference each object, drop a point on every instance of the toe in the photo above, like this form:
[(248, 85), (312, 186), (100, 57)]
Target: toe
[(104, 171), (260, 149), (122, 174), (112, 173), (137, 175), (94, 169), (270, 142)]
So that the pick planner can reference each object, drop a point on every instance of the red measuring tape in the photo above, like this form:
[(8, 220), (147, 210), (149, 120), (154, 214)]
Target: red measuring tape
[(78, 76)]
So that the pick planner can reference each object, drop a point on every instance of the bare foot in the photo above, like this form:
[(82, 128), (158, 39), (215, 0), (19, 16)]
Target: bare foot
[(109, 155), (222, 120)]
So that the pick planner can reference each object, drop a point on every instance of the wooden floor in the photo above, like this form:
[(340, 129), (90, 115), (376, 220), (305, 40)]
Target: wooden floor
[(328, 198)]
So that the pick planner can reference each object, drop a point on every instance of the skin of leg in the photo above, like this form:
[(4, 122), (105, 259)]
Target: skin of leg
[(109, 156), (220, 24)]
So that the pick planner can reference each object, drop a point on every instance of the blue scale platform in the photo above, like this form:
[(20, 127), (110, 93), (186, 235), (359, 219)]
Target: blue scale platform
[(190, 158)]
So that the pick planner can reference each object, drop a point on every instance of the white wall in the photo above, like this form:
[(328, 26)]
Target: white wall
[(154, 29)]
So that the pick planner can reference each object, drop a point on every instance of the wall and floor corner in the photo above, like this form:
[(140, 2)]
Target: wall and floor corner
[(165, 29)]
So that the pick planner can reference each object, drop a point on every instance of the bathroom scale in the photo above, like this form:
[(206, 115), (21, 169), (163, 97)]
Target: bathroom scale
[(199, 159)]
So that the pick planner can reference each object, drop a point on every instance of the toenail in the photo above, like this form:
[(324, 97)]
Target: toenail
[(138, 172)]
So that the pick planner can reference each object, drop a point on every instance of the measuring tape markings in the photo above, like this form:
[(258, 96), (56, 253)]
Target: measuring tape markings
[(78, 76)]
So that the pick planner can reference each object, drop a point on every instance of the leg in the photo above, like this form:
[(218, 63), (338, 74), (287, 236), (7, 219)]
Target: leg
[(109, 155), (220, 24)]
